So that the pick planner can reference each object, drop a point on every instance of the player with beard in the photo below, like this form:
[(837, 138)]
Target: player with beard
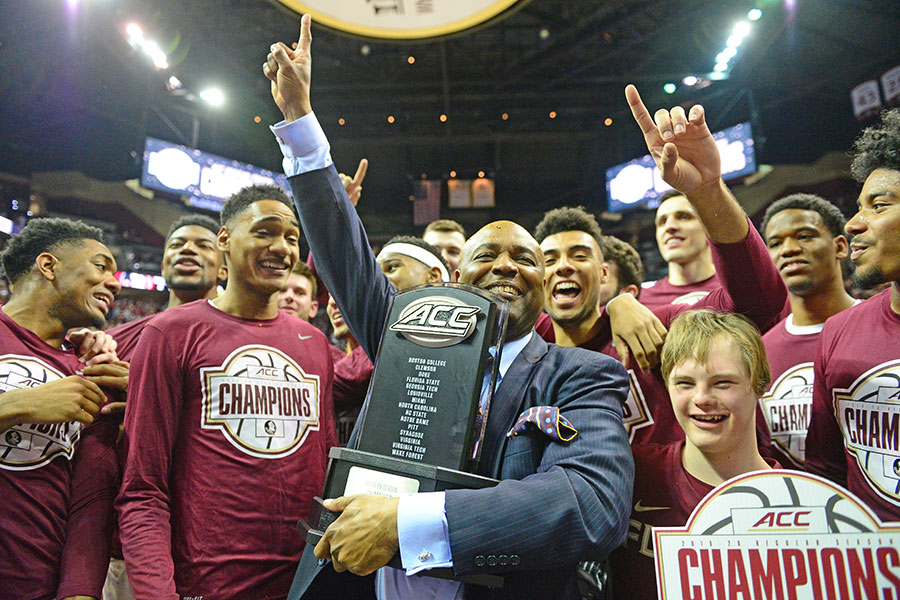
[(683, 245), (715, 369), (228, 424), (853, 432), (804, 234), (192, 267), (298, 297), (57, 475)]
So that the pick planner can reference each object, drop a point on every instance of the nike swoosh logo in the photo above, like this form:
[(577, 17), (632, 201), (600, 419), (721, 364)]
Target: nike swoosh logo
[(303, 337), (639, 508)]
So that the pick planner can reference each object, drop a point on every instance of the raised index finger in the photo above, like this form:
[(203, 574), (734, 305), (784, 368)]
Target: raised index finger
[(361, 171), (305, 41), (638, 110)]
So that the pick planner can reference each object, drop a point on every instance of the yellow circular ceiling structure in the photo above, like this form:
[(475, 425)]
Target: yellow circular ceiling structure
[(401, 19)]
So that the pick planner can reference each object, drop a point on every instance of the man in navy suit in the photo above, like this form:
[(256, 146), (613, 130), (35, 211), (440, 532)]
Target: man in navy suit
[(559, 501)]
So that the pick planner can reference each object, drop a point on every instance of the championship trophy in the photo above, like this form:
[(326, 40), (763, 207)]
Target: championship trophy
[(422, 425)]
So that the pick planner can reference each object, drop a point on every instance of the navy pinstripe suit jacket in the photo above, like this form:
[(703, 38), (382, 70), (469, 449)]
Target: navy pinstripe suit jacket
[(557, 503)]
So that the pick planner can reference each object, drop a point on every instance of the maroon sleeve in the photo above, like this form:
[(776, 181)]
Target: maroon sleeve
[(352, 374), (95, 478), (151, 425), (751, 285), (824, 441), (748, 275)]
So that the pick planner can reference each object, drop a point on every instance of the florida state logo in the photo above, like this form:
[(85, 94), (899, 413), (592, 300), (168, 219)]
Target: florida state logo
[(24, 447), (261, 400)]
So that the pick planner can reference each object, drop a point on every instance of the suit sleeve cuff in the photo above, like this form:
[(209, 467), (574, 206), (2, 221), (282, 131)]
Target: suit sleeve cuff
[(303, 144), (422, 530)]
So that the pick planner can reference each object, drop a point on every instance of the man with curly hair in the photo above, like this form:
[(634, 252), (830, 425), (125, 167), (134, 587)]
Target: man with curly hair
[(854, 433)]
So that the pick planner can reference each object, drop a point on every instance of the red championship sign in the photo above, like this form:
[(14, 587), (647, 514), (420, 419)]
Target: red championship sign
[(781, 535)]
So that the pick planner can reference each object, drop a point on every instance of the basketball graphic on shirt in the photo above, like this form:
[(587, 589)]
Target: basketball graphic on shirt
[(635, 413), (778, 534), (261, 400), (787, 406), (868, 413), (27, 446)]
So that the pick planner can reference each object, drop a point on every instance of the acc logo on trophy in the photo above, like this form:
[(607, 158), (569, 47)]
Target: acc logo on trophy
[(27, 446), (869, 416), (261, 400), (436, 321)]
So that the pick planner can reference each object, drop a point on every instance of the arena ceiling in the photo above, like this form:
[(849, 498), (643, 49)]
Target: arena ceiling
[(75, 95)]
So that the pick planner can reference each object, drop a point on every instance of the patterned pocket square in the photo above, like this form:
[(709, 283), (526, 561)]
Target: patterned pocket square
[(548, 421)]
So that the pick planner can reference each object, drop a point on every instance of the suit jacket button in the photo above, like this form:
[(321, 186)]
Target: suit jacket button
[(503, 560), (479, 560), (513, 559), (492, 560)]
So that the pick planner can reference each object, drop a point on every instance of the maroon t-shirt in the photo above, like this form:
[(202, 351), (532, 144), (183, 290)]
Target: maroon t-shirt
[(127, 336), (662, 292), (227, 429), (665, 494), (786, 405), (352, 374), (854, 432), (56, 484)]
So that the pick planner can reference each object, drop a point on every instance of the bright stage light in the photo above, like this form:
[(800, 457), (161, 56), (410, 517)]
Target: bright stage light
[(720, 67), (689, 80), (213, 96), (754, 14), (734, 41), (669, 88), (742, 28)]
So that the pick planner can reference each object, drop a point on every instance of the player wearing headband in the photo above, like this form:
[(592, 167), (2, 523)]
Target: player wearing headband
[(409, 261)]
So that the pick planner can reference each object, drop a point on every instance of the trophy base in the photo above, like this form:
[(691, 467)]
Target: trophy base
[(356, 472)]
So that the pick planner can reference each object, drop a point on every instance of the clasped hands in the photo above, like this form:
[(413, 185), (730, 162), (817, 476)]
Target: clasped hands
[(364, 537)]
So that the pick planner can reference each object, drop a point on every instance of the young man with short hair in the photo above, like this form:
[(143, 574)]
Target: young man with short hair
[(298, 297), (228, 424), (192, 267), (804, 234), (449, 237), (57, 466), (853, 432), (683, 245), (715, 369)]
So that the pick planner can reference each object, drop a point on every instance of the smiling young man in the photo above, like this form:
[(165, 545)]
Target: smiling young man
[(228, 424), (298, 297), (449, 237), (804, 234), (57, 476), (192, 266), (574, 491), (715, 368), (683, 245), (853, 433)]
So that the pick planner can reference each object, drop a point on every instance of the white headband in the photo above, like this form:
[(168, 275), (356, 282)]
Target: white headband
[(420, 254)]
